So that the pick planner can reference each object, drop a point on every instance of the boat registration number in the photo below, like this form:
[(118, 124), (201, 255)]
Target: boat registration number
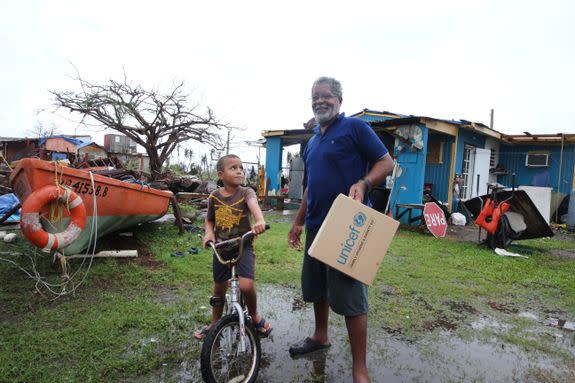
[(86, 188)]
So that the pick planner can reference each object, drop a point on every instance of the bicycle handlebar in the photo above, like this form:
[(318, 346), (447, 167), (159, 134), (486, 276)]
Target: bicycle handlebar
[(248, 235)]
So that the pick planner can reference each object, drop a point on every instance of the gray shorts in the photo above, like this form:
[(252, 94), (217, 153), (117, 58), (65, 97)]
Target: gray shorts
[(320, 282)]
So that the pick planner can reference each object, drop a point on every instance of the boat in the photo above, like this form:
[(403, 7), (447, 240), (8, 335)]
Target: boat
[(94, 205)]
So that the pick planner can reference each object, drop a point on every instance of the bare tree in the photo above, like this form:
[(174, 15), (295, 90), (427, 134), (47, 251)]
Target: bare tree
[(41, 131), (158, 122)]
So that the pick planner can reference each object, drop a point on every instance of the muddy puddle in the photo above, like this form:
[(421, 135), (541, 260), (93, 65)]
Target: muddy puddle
[(439, 357), (442, 358)]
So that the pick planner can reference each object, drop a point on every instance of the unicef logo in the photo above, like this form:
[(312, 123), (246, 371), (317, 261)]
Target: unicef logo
[(359, 219)]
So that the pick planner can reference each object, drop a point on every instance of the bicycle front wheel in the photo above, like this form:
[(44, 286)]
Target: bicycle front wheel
[(222, 359)]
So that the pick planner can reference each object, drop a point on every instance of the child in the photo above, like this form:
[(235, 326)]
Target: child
[(228, 217)]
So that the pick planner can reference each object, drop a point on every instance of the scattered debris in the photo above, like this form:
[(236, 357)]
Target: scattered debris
[(10, 237), (505, 253), (561, 323), (108, 254), (458, 219)]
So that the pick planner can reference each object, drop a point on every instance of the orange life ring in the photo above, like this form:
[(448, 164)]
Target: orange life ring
[(30, 217)]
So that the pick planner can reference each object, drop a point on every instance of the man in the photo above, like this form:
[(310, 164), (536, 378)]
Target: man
[(336, 160)]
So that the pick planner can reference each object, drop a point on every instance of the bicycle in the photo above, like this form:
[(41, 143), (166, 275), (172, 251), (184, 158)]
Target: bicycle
[(231, 351)]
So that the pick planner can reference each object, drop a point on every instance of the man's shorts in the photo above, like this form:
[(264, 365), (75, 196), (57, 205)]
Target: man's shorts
[(245, 267), (320, 282)]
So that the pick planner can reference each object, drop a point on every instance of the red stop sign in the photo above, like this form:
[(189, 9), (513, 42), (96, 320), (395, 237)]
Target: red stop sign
[(435, 219)]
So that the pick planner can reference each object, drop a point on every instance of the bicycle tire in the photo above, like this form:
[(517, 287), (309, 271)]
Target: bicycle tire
[(220, 362)]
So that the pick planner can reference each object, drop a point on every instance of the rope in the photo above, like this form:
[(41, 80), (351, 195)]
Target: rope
[(6, 162), (68, 286)]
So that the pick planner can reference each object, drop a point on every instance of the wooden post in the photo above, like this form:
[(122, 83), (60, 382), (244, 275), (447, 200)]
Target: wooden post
[(177, 214)]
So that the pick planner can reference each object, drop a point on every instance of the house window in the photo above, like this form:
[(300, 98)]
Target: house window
[(537, 159), (117, 138), (434, 152)]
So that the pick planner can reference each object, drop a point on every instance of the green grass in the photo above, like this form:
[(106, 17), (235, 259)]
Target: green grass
[(130, 318)]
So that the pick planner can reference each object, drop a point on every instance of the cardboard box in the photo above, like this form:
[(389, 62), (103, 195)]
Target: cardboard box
[(354, 238)]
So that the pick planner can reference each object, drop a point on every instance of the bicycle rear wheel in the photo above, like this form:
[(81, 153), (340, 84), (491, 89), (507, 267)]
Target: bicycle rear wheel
[(221, 359)]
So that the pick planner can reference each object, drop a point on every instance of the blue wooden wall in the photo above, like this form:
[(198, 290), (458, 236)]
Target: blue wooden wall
[(438, 174), (513, 160), (408, 186), (274, 161)]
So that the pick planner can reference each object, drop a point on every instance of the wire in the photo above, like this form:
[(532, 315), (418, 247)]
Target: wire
[(60, 289)]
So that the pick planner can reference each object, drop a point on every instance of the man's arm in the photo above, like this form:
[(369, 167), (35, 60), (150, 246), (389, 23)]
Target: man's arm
[(376, 176), (294, 235)]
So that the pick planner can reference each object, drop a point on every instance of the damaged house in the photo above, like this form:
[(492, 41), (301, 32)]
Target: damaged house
[(450, 160)]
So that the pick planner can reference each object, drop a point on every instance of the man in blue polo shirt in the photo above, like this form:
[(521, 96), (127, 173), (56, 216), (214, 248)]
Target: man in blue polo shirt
[(344, 156)]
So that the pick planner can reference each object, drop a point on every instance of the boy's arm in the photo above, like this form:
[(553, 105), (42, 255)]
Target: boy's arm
[(260, 225), (294, 235), (210, 234)]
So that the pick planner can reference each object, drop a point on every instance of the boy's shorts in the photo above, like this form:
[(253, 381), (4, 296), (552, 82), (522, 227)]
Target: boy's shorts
[(245, 267), (320, 282)]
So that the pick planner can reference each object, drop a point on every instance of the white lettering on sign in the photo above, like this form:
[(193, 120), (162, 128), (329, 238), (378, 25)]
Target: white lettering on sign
[(435, 219)]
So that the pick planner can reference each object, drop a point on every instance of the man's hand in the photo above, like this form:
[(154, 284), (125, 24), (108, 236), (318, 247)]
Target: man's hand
[(357, 190), (294, 236), (259, 227), (310, 124)]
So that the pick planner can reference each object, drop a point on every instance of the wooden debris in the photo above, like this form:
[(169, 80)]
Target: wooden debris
[(108, 254)]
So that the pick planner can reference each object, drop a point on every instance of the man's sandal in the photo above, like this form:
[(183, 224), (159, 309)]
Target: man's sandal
[(201, 333), (306, 346), (262, 325)]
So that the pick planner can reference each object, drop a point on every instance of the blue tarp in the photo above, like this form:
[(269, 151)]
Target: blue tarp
[(7, 202), (75, 141)]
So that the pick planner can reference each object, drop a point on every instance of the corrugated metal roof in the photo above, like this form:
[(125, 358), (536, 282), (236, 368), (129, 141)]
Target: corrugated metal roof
[(16, 139), (84, 144)]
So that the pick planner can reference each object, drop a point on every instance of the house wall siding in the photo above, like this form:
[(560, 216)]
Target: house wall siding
[(513, 160), (408, 187), (274, 150), (438, 174), (60, 145)]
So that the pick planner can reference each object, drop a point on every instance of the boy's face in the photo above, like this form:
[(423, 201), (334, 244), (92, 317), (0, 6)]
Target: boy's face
[(233, 173)]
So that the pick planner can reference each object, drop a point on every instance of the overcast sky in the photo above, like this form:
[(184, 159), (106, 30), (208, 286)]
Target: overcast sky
[(253, 62)]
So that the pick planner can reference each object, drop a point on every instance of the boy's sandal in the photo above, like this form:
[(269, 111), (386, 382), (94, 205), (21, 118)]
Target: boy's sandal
[(262, 325), (201, 333)]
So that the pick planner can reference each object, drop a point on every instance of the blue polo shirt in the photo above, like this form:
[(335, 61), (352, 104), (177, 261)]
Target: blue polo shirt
[(335, 161)]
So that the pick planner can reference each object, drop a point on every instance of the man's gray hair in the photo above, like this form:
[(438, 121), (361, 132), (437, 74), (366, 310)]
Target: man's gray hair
[(333, 84)]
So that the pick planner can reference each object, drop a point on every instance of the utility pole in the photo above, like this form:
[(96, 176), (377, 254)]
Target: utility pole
[(491, 121), (228, 143)]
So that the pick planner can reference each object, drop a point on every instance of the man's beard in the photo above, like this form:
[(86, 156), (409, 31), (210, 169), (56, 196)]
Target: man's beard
[(326, 116)]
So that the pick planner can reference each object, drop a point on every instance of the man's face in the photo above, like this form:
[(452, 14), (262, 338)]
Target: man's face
[(324, 103)]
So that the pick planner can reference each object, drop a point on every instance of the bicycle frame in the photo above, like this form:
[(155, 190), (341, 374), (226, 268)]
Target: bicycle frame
[(234, 298)]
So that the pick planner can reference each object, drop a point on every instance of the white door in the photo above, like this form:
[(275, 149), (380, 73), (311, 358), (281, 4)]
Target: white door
[(467, 171), (480, 175)]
